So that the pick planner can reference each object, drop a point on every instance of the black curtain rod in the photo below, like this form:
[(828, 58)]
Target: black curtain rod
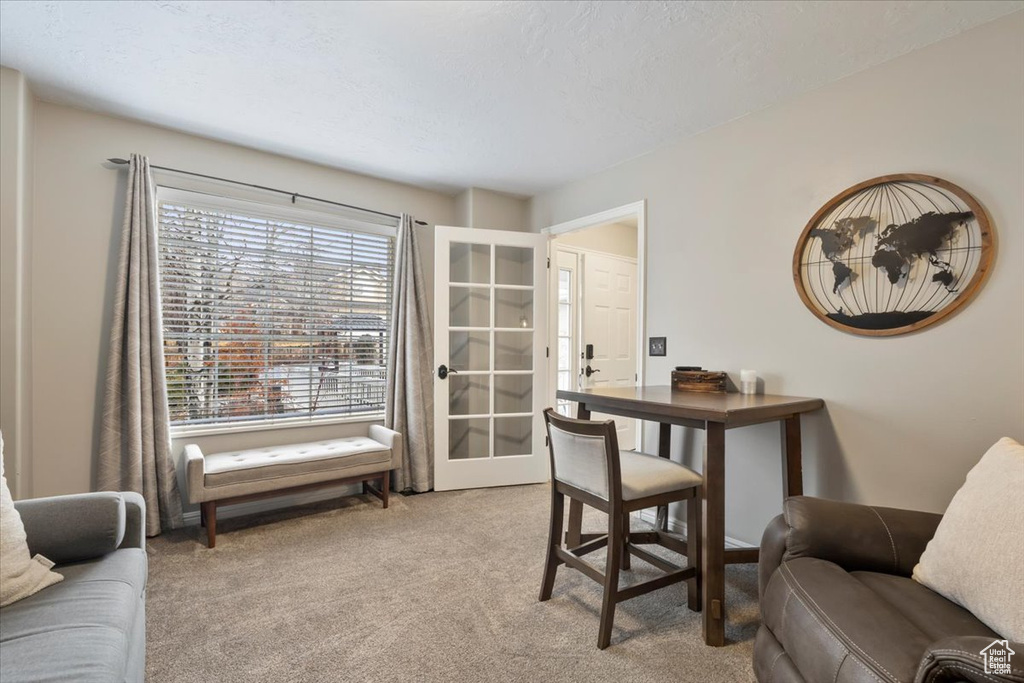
[(293, 195)]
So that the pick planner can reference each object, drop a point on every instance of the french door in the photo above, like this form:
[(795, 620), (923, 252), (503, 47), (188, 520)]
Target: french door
[(490, 313)]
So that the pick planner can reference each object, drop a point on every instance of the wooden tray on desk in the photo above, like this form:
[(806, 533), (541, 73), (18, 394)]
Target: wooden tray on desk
[(699, 380)]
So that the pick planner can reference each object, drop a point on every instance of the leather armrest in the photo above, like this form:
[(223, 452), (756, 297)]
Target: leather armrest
[(857, 537), (75, 527), (773, 548), (960, 659), (391, 439)]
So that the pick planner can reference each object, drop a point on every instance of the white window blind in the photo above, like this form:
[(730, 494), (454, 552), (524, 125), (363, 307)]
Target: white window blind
[(270, 313)]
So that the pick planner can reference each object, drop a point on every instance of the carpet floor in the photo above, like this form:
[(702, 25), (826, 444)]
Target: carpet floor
[(439, 587)]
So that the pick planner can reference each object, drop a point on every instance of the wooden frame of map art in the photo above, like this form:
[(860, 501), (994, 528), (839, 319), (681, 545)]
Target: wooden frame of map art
[(930, 258)]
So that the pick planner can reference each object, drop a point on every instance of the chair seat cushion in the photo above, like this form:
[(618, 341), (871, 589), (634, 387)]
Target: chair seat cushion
[(78, 629), (648, 475), (859, 626), (261, 464)]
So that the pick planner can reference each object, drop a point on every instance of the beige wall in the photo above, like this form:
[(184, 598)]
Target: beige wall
[(16, 134), (610, 238), (78, 214), (479, 208), (906, 416), (464, 208)]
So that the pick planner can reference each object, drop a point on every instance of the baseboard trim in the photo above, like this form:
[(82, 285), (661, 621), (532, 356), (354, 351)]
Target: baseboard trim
[(677, 526), (191, 518)]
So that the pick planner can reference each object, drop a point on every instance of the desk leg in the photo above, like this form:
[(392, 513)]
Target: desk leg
[(575, 526), (713, 538), (664, 451), (792, 469)]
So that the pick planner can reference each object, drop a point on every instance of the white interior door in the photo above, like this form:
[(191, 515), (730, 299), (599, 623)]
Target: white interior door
[(609, 325), (490, 313)]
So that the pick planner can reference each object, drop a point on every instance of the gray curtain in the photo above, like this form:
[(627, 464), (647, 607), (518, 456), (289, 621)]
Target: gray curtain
[(410, 388), (134, 435)]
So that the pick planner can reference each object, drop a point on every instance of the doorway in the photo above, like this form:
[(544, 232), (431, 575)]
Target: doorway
[(597, 307)]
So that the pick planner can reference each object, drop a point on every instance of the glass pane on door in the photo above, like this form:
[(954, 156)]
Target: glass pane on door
[(468, 439), (513, 436), (470, 306), (490, 329), (513, 393), (514, 265), (470, 263), (469, 395), (513, 350), (469, 351), (513, 308)]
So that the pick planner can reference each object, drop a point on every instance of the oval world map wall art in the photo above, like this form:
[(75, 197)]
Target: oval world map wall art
[(893, 254)]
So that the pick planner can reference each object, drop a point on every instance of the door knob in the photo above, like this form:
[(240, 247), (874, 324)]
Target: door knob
[(443, 371), (589, 371)]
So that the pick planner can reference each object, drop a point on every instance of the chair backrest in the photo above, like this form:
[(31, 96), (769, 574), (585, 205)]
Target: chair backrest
[(584, 454)]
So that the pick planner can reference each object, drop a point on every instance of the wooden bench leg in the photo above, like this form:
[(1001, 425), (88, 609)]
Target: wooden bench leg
[(209, 512), (385, 485)]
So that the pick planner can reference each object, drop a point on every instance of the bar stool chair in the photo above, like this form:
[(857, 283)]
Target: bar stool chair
[(586, 465)]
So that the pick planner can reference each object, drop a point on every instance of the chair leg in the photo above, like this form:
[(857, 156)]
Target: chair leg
[(385, 486), (625, 540), (554, 540), (210, 513), (202, 516), (611, 580), (693, 553)]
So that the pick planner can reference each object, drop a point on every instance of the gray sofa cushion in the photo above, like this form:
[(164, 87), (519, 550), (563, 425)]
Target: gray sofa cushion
[(84, 628)]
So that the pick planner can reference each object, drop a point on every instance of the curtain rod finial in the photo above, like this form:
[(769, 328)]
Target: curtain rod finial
[(117, 160)]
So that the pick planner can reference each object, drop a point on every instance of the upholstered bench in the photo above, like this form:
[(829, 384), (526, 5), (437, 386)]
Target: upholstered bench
[(239, 476)]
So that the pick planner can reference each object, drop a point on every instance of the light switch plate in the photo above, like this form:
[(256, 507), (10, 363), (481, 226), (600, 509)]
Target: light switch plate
[(657, 346)]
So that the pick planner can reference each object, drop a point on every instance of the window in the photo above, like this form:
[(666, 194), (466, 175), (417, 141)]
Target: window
[(565, 338), (271, 313)]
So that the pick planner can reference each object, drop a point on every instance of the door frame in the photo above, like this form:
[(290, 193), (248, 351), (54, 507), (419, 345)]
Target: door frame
[(636, 210)]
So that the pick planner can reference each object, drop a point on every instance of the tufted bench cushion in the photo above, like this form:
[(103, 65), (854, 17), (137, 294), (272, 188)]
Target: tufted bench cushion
[(236, 476), (262, 464)]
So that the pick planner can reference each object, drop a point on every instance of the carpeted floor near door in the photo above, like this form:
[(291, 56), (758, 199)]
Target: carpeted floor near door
[(440, 587)]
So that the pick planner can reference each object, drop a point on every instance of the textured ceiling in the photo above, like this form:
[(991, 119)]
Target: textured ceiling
[(511, 96)]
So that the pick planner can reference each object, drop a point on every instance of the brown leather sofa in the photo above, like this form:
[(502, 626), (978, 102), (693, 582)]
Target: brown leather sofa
[(838, 604)]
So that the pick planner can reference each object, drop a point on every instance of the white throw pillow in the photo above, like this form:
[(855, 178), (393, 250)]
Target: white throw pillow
[(977, 556), (21, 575)]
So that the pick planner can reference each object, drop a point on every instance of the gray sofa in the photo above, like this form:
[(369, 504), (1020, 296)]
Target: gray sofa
[(838, 604), (92, 625)]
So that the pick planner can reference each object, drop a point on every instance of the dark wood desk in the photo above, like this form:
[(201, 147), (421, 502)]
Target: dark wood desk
[(714, 413)]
